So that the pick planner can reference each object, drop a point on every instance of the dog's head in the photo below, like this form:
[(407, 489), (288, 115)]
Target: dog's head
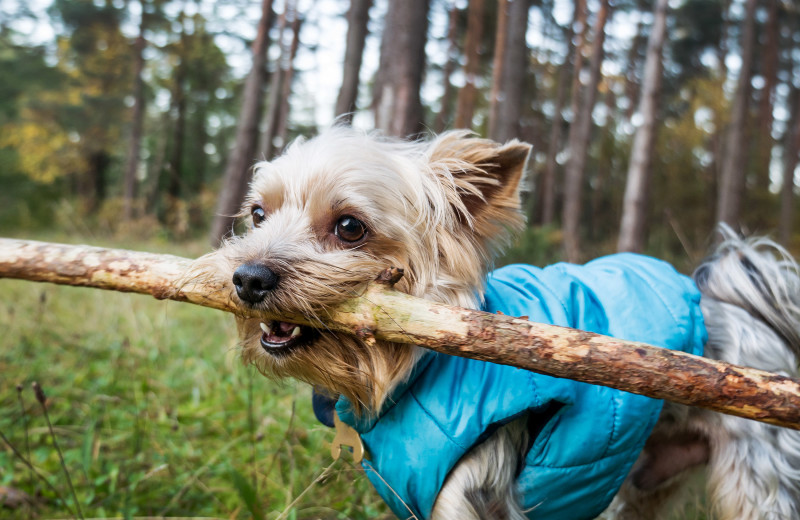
[(331, 213)]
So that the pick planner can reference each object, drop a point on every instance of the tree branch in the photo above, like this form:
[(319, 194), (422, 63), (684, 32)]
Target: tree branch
[(381, 312)]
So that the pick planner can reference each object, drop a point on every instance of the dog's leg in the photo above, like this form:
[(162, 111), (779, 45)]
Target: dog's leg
[(482, 485)]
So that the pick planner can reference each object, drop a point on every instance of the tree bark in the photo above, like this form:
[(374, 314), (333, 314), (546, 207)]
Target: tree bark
[(548, 197), (383, 313), (179, 124), (734, 164), (634, 210), (766, 103), (791, 150), (465, 105), (632, 83), (357, 30), (396, 101), (137, 120), (579, 136), (237, 169), (498, 66), (288, 77), (446, 109), (272, 117), (513, 73)]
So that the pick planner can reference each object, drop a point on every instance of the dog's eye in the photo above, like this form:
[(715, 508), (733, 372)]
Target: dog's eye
[(350, 229), (258, 215)]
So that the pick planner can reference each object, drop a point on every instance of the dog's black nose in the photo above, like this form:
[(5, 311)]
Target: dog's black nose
[(254, 281)]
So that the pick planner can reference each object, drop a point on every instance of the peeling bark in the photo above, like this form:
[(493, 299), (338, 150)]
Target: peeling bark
[(384, 313)]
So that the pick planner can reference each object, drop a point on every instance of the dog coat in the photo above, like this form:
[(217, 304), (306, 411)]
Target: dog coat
[(586, 437)]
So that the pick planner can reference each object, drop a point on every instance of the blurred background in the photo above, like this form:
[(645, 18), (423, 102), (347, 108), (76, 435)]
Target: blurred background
[(136, 124)]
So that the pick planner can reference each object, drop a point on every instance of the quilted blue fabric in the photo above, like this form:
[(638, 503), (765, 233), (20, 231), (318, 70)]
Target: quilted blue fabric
[(589, 436)]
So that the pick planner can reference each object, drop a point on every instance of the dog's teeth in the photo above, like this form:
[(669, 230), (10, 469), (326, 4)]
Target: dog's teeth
[(296, 332), (266, 328)]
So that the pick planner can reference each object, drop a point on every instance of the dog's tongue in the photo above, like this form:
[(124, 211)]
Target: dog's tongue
[(280, 331), (283, 328)]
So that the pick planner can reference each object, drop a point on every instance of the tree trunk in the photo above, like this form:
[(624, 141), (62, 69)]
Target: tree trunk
[(465, 106), (579, 136), (513, 73), (397, 104), (96, 180), (716, 144), (548, 197), (791, 150), (634, 210), (632, 83), (288, 76), (357, 30), (766, 103), (179, 124), (498, 66), (446, 109), (237, 170), (734, 164), (137, 119), (272, 117), (558, 351)]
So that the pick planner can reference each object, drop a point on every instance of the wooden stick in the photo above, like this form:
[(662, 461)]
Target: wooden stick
[(381, 312)]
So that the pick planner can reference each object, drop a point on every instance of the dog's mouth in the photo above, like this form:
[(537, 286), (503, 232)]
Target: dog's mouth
[(279, 337)]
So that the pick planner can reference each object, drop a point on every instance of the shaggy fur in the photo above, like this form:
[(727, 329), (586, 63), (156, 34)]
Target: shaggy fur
[(332, 212)]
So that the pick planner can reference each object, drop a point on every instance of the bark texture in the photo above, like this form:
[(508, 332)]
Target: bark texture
[(498, 66), (137, 119), (357, 30), (637, 187), (381, 312), (791, 149), (734, 164), (513, 72), (467, 96), (446, 109), (579, 136), (243, 155), (548, 191), (397, 104)]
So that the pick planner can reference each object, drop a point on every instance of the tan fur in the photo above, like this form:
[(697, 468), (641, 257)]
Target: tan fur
[(440, 210)]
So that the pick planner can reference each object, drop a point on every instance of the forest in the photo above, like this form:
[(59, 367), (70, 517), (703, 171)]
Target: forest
[(651, 121), (137, 123)]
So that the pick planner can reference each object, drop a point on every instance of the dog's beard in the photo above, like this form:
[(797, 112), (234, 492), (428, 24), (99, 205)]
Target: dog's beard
[(364, 372)]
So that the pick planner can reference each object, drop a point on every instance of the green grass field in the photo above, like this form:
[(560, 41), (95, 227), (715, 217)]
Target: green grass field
[(155, 414)]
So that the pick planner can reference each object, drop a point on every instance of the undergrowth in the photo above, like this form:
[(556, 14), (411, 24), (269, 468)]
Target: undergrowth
[(155, 414)]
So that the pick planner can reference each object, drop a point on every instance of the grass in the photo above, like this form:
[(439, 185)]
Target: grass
[(155, 414)]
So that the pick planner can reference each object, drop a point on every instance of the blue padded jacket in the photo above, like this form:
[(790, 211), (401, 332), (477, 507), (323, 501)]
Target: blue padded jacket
[(588, 436)]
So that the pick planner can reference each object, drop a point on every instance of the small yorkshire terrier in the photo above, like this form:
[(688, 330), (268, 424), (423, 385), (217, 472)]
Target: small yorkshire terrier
[(334, 211)]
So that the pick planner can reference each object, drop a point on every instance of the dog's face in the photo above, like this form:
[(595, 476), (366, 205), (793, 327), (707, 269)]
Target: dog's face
[(331, 213)]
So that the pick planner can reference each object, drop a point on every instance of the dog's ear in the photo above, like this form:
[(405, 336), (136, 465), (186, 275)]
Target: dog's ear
[(484, 176)]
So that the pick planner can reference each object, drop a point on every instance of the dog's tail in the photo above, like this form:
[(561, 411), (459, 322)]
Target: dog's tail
[(751, 305)]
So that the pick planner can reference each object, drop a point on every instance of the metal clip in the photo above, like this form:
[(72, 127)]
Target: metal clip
[(346, 436)]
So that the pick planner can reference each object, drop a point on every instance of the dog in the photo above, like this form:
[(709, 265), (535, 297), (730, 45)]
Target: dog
[(332, 212)]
